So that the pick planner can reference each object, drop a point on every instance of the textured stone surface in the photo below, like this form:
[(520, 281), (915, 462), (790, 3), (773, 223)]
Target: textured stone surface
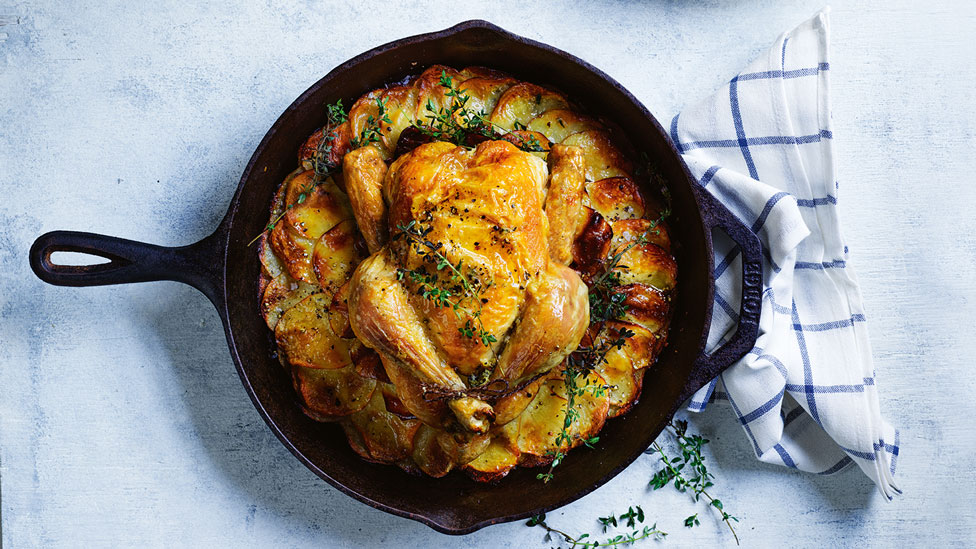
[(122, 420)]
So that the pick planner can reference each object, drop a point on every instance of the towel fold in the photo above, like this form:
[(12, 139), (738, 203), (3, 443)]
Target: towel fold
[(806, 395)]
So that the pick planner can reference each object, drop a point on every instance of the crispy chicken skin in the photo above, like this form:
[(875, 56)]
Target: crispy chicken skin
[(505, 223), (427, 298), (365, 170), (564, 200)]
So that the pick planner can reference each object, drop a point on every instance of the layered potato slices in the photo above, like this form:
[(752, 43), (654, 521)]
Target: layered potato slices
[(316, 245)]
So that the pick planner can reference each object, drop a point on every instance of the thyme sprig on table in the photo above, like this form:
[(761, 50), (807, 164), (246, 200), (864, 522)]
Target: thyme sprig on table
[(335, 116), (631, 518), (429, 287), (700, 479), (687, 472), (458, 122)]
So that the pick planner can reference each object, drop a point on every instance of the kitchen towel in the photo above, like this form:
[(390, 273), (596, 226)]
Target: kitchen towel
[(806, 394)]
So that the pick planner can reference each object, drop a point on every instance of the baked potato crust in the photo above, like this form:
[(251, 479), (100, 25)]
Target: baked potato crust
[(331, 262)]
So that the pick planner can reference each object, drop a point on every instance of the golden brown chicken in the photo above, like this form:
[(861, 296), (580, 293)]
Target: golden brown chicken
[(466, 273), (472, 223)]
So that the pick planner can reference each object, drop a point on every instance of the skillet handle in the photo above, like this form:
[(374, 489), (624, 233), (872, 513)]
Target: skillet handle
[(708, 366), (198, 265)]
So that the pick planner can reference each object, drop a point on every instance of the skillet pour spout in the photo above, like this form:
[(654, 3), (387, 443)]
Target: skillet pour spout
[(226, 270)]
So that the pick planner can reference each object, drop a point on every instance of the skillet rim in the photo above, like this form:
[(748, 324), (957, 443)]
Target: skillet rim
[(224, 231)]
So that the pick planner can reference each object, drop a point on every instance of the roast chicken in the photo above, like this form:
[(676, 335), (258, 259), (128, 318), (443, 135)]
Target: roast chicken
[(429, 296), (516, 309)]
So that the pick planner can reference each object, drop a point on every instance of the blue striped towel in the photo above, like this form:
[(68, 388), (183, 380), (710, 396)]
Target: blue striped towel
[(806, 395)]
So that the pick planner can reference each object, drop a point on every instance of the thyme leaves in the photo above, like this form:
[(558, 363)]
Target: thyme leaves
[(697, 481), (686, 471), (323, 167), (607, 304), (632, 518), (459, 294), (372, 131), (462, 125)]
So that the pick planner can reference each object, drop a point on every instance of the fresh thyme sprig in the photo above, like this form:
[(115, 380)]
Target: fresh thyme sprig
[(631, 518), (571, 375), (606, 304), (457, 123), (456, 297), (674, 472), (692, 459), (336, 113), (335, 116), (579, 365), (373, 130)]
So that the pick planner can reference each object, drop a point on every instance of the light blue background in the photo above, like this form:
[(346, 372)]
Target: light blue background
[(122, 420)]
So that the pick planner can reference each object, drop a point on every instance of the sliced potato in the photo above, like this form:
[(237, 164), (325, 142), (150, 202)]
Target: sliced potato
[(629, 230), (650, 309), (542, 421), (649, 264), (271, 266), (401, 107), (336, 146), (305, 335), (509, 407), (281, 195), (330, 394), (623, 369), (603, 158), (523, 102), (323, 208), (339, 313), (431, 95), (294, 252), (494, 463), (293, 238), (363, 113), (335, 256), (281, 294), (624, 382), (628, 394), (558, 124), (645, 264), (616, 198), (399, 110), (428, 454), (483, 93), (386, 437)]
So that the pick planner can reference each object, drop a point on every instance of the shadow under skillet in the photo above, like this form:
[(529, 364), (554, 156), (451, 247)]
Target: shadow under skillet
[(247, 456), (241, 449)]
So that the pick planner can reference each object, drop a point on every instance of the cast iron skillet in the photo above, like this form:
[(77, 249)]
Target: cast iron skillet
[(225, 269)]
